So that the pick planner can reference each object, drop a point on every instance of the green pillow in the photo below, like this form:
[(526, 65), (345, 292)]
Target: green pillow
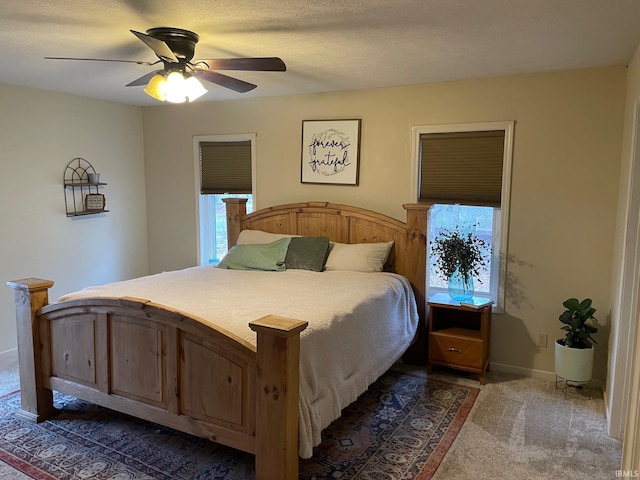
[(267, 256), (307, 253)]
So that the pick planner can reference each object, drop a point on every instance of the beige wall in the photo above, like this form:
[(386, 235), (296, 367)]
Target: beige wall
[(40, 132), (565, 179)]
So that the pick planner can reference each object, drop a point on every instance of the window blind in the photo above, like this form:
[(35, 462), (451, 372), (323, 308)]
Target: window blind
[(462, 167), (225, 167)]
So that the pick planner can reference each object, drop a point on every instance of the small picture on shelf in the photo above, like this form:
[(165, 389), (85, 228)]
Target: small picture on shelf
[(94, 201)]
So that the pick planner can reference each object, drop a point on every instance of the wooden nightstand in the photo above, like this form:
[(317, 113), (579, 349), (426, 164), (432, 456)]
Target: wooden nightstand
[(458, 335)]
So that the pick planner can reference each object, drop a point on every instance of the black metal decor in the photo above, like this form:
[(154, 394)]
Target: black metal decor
[(82, 189)]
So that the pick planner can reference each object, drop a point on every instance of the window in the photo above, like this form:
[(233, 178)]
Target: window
[(474, 219), (213, 226), (225, 166), (464, 170)]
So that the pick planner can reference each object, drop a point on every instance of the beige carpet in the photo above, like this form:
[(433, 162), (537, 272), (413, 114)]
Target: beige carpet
[(523, 428), (519, 428)]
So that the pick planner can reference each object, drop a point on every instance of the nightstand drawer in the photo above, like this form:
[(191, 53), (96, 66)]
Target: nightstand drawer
[(455, 351), (458, 335)]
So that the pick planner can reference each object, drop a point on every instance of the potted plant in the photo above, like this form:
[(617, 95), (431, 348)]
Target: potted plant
[(459, 257), (574, 352)]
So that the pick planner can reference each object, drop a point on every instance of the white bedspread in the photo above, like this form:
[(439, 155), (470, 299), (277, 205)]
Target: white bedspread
[(359, 323)]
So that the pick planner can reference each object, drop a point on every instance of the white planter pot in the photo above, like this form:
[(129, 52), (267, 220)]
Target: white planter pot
[(574, 364)]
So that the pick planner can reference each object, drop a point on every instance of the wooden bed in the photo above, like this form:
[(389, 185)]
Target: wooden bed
[(136, 357)]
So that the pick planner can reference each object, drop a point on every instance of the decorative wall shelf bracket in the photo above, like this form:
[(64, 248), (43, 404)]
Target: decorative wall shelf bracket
[(82, 189)]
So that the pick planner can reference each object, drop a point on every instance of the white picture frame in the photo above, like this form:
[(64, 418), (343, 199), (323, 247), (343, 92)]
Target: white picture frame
[(330, 151)]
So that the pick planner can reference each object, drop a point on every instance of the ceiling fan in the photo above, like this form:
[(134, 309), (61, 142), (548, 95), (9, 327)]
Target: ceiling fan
[(175, 48)]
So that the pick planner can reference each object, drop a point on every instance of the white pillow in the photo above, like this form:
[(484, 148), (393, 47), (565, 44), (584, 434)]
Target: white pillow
[(258, 236), (358, 257)]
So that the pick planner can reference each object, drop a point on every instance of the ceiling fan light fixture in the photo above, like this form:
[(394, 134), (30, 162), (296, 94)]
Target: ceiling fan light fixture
[(194, 88), (174, 88), (156, 87)]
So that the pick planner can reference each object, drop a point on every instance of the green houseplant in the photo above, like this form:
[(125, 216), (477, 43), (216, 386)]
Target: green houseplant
[(459, 257), (575, 319), (574, 352)]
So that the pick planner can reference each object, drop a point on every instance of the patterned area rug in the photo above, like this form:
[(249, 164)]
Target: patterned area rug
[(401, 428)]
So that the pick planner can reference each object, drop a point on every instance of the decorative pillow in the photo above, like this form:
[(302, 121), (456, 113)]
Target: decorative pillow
[(307, 253), (259, 236), (358, 257), (269, 256)]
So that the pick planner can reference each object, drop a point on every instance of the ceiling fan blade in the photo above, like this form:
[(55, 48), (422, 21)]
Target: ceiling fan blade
[(235, 84), (160, 48), (263, 64), (143, 80), (139, 62)]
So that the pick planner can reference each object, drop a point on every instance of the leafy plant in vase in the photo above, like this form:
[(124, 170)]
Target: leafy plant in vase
[(574, 352), (459, 257)]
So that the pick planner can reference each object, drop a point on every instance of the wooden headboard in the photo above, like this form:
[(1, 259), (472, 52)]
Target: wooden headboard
[(346, 224)]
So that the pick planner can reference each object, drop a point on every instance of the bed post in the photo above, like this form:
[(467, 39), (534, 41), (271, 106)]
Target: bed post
[(31, 294), (236, 211), (417, 273), (277, 396)]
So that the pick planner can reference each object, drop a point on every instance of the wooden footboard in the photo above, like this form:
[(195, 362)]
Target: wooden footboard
[(165, 366)]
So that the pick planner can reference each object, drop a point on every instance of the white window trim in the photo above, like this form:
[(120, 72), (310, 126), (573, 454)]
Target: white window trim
[(238, 137), (508, 127)]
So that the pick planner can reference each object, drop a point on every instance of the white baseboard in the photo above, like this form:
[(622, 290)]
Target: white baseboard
[(11, 351), (532, 372), (613, 432), (527, 372)]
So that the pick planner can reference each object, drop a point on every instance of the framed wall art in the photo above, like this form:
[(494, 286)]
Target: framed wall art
[(94, 201), (330, 151)]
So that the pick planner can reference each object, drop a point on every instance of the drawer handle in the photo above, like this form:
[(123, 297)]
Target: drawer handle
[(451, 349)]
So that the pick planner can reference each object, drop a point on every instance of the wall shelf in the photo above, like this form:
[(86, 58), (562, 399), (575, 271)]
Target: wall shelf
[(84, 184), (82, 197)]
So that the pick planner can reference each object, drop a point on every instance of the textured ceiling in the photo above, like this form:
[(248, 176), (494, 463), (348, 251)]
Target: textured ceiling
[(328, 46)]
